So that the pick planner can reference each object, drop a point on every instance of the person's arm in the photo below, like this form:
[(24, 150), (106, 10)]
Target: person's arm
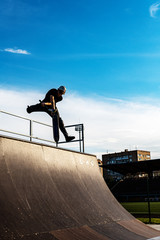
[(51, 103)]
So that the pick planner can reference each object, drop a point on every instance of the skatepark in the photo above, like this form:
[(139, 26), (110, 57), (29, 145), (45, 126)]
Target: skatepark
[(51, 193)]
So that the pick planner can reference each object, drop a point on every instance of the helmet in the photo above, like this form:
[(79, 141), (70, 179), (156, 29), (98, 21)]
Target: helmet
[(62, 89)]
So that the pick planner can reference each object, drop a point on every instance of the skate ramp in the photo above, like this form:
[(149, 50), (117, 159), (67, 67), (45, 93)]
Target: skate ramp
[(55, 194)]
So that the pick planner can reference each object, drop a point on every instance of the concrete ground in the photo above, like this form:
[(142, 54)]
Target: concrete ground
[(155, 226)]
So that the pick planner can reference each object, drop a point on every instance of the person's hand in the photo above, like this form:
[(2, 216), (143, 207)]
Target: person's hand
[(43, 104)]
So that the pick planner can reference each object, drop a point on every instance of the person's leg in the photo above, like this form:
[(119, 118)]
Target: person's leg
[(63, 130), (39, 108), (35, 108)]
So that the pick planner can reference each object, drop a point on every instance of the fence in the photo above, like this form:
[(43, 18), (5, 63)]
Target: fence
[(79, 128)]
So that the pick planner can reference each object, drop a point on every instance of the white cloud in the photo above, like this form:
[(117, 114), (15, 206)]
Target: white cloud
[(110, 126), (154, 9), (17, 51)]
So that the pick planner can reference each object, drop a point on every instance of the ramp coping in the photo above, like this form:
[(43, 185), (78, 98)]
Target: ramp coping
[(46, 145)]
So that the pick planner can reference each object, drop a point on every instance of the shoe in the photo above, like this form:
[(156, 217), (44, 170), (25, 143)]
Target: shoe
[(28, 109), (69, 138)]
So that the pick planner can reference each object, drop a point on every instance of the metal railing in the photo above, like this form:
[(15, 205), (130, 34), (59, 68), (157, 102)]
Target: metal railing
[(78, 127)]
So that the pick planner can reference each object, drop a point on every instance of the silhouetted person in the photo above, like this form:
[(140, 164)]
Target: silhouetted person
[(40, 107)]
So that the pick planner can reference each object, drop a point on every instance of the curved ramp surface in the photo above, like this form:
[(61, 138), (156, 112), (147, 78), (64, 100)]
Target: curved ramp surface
[(55, 194)]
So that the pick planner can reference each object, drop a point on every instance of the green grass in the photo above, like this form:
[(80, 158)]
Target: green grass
[(153, 220), (142, 207)]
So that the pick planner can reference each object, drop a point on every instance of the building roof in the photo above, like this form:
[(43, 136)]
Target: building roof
[(126, 151), (134, 167)]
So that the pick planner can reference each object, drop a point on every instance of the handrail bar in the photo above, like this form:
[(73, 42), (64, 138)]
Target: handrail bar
[(26, 118), (23, 135), (81, 137)]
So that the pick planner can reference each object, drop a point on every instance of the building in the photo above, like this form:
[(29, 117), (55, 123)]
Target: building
[(123, 157)]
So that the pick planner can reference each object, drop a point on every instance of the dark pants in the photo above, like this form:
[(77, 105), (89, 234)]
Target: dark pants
[(39, 108)]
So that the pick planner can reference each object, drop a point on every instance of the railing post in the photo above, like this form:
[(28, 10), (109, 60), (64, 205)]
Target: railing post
[(83, 136), (79, 128), (30, 130), (80, 140)]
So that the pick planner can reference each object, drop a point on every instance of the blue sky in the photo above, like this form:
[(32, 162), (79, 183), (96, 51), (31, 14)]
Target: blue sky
[(98, 49), (99, 46)]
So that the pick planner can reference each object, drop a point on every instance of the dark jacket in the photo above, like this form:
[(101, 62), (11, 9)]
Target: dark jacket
[(53, 92)]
